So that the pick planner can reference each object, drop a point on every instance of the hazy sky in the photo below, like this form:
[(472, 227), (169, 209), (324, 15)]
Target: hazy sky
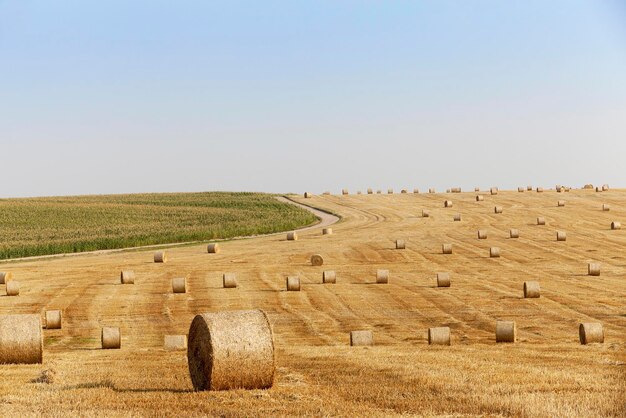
[(141, 96)]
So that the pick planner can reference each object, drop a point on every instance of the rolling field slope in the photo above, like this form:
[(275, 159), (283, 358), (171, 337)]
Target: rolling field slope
[(546, 373)]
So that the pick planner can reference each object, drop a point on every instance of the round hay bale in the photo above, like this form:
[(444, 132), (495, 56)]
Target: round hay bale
[(591, 332), (21, 339), (111, 338), (326, 193), (557, 187), (431, 190), (520, 189), (457, 217), (400, 244), (560, 189), (358, 192), (13, 288), (497, 209), (327, 231), (480, 198), (127, 277), (317, 260), (425, 213), (293, 284), (531, 289), (494, 252), (446, 248), (541, 220), (329, 276), (616, 225), (439, 336), (529, 188), (160, 257), (506, 332), (5, 276), (53, 319), (403, 191), (455, 190), (213, 248), (179, 285), (447, 190), (361, 338), (477, 189), (539, 189), (593, 269), (370, 191), (379, 191), (482, 234), (382, 276), (231, 350), (344, 191), (588, 186), (561, 236), (514, 233), (443, 279), (307, 195), (560, 203), (447, 203), (605, 187), (493, 190), (389, 191), (175, 342), (229, 280), (292, 236), (416, 191), (605, 208)]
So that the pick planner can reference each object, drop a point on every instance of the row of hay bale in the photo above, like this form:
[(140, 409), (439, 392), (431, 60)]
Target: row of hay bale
[(492, 190)]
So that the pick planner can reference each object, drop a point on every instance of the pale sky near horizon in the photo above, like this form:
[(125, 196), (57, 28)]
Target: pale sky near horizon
[(279, 96)]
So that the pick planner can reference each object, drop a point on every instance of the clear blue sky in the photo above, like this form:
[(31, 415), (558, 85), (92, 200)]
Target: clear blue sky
[(121, 96)]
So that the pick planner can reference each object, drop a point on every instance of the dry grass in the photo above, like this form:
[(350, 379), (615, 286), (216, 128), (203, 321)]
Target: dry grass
[(546, 373)]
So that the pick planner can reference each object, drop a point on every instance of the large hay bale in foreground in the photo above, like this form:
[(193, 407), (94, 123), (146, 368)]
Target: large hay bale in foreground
[(443, 279), (21, 339), (231, 350), (361, 338), (175, 342), (213, 248), (292, 236), (446, 248), (439, 336), (561, 236), (111, 338), (5, 276), (591, 332), (497, 209), (593, 269), (317, 260), (329, 276), (127, 277), (179, 285), (482, 234), (53, 319), (514, 233), (327, 231), (400, 244), (532, 289), (229, 280), (293, 284), (506, 331), (13, 288), (480, 198), (541, 220), (616, 225), (160, 257), (382, 276), (494, 252)]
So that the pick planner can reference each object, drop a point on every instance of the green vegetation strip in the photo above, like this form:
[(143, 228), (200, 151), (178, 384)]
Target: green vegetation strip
[(56, 225)]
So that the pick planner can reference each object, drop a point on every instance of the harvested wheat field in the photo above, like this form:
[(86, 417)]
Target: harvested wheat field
[(545, 372)]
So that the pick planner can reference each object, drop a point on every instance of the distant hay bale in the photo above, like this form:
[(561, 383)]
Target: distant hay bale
[(532, 289), (111, 338), (13, 288), (379, 191), (416, 191), (344, 191), (494, 252), (446, 248), (593, 269), (174, 342), (588, 186), (307, 195), (497, 209), (431, 190), (439, 336), (53, 319), (447, 203), (127, 277), (605, 187), (425, 213), (358, 192), (327, 231), (529, 188), (477, 189), (382, 276), (539, 189), (231, 350), (514, 233), (506, 331), (616, 225), (400, 244), (541, 220), (293, 284), (292, 236), (455, 190), (329, 276), (457, 217), (160, 257), (21, 339), (317, 260), (493, 190), (560, 203), (598, 189), (480, 198), (591, 332), (605, 208), (361, 338), (213, 248), (229, 280), (370, 191), (482, 234), (557, 187), (520, 189), (389, 191), (447, 190), (560, 189), (567, 189), (327, 193), (403, 191), (5, 276), (561, 236), (443, 279), (179, 285)]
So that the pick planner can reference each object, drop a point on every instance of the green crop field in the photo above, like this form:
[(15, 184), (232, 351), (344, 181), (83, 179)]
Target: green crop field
[(54, 225)]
